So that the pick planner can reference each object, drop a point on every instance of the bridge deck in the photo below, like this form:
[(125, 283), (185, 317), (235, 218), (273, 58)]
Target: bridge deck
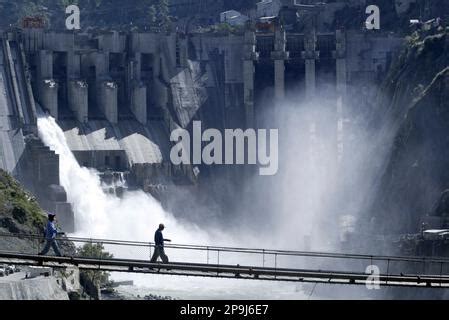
[(226, 271), (231, 263)]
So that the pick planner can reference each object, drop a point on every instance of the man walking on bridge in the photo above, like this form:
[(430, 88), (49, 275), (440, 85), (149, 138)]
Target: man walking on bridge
[(50, 237), (159, 248)]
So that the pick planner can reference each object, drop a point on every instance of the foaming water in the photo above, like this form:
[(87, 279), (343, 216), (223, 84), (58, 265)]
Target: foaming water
[(101, 215), (135, 217)]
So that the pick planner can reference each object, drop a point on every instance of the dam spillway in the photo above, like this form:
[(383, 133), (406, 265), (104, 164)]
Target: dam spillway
[(118, 125), (118, 95)]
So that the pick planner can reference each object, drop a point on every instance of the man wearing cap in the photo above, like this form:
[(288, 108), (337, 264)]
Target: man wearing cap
[(50, 237), (159, 248)]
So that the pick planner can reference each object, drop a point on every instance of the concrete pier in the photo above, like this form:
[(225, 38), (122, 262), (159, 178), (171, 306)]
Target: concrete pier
[(341, 87), (250, 55), (101, 65), (310, 55), (139, 102), (78, 99), (310, 78), (45, 64), (48, 95), (47, 86), (279, 55), (73, 65), (341, 72), (109, 100)]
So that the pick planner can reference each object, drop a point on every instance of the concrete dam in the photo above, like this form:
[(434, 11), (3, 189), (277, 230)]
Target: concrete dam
[(118, 95)]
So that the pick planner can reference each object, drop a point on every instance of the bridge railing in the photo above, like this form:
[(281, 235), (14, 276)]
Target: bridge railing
[(216, 255)]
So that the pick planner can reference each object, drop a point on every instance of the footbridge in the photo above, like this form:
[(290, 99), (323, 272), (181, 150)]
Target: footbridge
[(231, 263)]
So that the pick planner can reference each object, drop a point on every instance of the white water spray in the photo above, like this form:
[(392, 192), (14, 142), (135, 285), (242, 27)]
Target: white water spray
[(135, 217), (101, 215)]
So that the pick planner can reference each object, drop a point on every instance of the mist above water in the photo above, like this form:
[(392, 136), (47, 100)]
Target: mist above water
[(325, 173), (135, 217), (328, 163)]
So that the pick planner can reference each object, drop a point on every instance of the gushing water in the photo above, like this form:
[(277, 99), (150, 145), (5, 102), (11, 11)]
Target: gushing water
[(98, 214), (135, 216)]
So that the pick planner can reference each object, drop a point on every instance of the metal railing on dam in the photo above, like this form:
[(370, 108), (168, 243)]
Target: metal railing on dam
[(229, 262)]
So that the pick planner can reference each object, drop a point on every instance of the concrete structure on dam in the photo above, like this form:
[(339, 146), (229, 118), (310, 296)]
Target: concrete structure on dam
[(113, 78), (21, 152), (118, 95)]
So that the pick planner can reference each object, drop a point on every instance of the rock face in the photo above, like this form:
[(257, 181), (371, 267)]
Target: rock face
[(19, 213), (438, 216), (441, 208), (32, 289), (417, 170)]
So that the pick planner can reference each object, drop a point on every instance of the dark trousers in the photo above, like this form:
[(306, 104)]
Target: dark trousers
[(53, 244), (159, 252)]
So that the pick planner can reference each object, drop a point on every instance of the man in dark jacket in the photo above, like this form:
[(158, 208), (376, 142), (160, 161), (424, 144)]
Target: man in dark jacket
[(159, 248), (50, 236)]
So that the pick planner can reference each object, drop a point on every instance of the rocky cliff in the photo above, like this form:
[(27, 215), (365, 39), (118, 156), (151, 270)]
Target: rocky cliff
[(416, 112), (42, 288), (19, 213)]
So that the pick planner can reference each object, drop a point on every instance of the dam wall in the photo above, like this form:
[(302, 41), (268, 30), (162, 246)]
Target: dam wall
[(143, 75), (119, 95), (21, 152)]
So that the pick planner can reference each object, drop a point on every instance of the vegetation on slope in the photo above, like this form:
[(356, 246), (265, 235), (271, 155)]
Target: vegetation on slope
[(425, 54), (90, 278), (19, 210)]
